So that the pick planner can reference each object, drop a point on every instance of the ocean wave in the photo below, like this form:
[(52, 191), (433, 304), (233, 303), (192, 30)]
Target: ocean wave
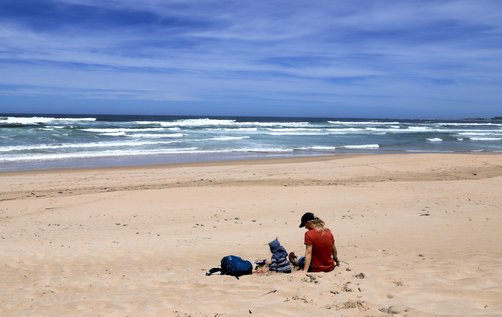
[(345, 130), (434, 139), (189, 122), (57, 127), (419, 129), (117, 153), (39, 120), (16, 148), (113, 130), (296, 133), (294, 130), (362, 146), (83, 155), (240, 129), (317, 148), (429, 151), (221, 122), (274, 124), (155, 136), (467, 124), (263, 150), (229, 138), (484, 133), (363, 122), (113, 134), (381, 130), (485, 139)]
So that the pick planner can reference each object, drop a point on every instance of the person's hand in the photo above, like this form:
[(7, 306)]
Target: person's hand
[(337, 263)]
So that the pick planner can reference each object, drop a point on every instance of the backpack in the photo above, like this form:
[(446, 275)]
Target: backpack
[(233, 265)]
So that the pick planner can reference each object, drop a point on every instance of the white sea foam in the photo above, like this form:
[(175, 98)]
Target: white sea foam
[(293, 130), (484, 133), (428, 151), (485, 139), (467, 124), (380, 130), (435, 140), (113, 134), (347, 130), (39, 120), (363, 122), (229, 138), (82, 145), (223, 123), (273, 124), (362, 146), (338, 133), (296, 133), (460, 139), (263, 150), (240, 129), (418, 129), (114, 130), (81, 155), (317, 148), (189, 122), (116, 153), (156, 136)]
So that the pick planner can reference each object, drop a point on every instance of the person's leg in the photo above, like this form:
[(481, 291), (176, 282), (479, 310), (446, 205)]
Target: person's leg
[(293, 259), (301, 262), (296, 261)]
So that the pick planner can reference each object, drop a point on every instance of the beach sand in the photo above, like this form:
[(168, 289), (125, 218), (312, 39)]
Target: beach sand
[(417, 234)]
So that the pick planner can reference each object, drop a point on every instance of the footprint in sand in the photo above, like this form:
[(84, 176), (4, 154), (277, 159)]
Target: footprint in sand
[(395, 309)]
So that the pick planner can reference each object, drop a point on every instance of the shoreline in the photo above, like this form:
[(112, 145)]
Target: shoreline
[(325, 171), (243, 161)]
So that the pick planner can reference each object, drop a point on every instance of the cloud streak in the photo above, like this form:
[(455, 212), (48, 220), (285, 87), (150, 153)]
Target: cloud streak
[(327, 58)]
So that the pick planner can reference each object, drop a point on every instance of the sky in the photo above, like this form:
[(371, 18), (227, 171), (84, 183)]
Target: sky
[(363, 58)]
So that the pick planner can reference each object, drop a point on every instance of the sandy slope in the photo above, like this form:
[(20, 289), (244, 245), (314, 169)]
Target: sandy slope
[(424, 231)]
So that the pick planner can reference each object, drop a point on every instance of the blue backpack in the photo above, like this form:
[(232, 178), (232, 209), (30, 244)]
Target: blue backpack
[(233, 265)]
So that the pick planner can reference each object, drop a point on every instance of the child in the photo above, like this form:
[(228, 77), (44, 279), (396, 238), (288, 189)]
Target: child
[(279, 262)]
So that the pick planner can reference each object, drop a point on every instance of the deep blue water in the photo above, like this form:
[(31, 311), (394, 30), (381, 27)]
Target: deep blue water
[(54, 141)]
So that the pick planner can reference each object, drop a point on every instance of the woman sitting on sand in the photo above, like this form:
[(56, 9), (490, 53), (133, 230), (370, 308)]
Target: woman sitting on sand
[(320, 252)]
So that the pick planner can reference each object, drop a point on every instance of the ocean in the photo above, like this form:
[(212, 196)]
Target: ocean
[(31, 142)]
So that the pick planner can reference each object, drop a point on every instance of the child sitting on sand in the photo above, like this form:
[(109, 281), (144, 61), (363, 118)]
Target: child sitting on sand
[(279, 261)]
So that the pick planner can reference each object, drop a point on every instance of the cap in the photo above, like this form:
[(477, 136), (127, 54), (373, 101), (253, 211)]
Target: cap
[(306, 217)]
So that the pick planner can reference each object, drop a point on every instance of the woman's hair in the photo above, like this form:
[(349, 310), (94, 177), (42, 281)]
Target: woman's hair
[(318, 223)]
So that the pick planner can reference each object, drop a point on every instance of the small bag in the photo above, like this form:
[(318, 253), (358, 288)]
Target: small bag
[(233, 265)]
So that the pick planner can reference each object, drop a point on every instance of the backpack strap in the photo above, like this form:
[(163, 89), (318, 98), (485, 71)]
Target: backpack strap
[(216, 270), (213, 270)]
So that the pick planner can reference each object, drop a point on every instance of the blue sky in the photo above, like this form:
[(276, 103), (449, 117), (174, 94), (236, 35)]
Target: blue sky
[(402, 59)]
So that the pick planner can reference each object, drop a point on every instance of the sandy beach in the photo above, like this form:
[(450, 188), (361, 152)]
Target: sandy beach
[(417, 234)]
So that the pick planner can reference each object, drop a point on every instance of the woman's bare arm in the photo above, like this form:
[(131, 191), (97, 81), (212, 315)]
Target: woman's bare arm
[(335, 255), (308, 257)]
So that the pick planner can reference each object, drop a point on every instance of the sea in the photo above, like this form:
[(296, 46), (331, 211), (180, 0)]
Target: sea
[(32, 142)]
